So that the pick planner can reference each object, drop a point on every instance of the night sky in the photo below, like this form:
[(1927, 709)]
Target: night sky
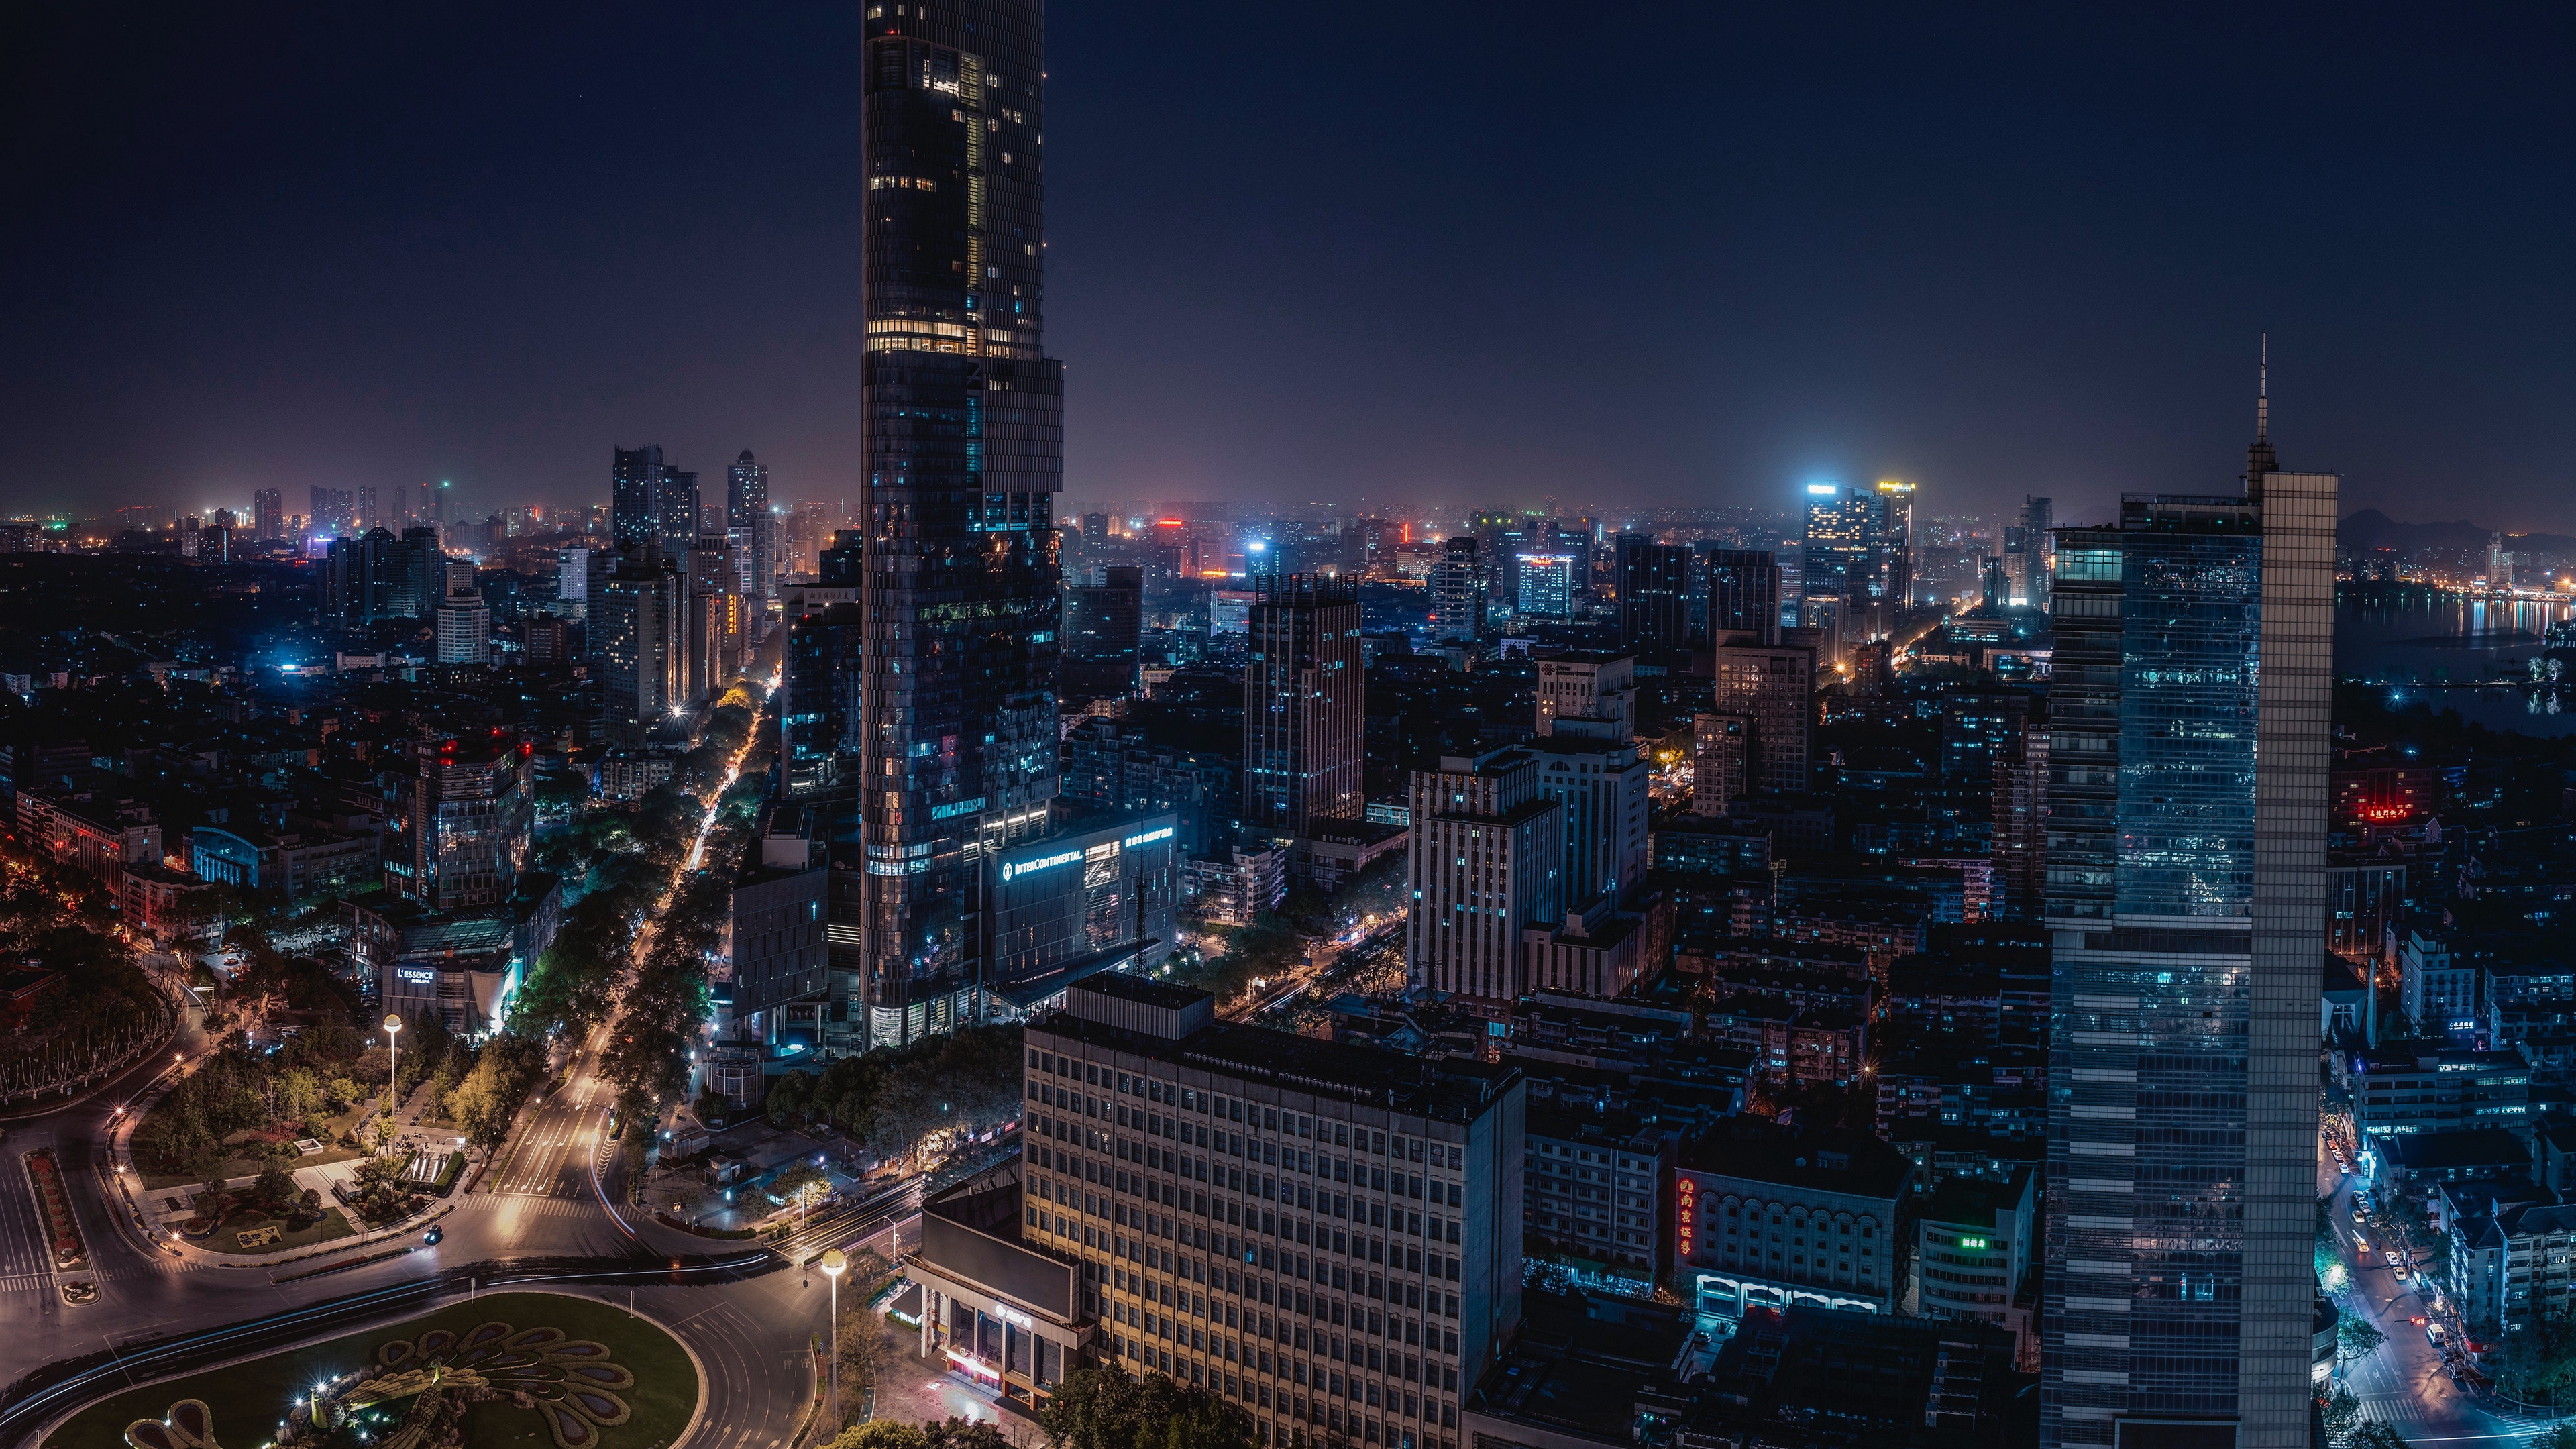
[(1386, 254)]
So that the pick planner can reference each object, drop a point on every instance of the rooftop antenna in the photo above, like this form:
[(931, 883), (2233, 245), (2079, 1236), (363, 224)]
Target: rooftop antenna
[(2263, 393)]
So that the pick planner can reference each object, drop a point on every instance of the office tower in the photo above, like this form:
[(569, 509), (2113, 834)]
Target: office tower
[(2038, 518), (1458, 592), (464, 623), (1654, 585), (1743, 596), (1896, 514), (572, 584), (1102, 626), (964, 444), (751, 526), (1599, 786), (638, 629), (370, 506), (1721, 744), (1347, 1244), (548, 639), (1095, 528), (1774, 686), (839, 566), (1978, 727), (717, 623), (2020, 841), (1587, 693), (1173, 550), (818, 704), (268, 514), (2187, 905), (1485, 858), (1845, 544), (1304, 706), (1547, 584), (459, 829)]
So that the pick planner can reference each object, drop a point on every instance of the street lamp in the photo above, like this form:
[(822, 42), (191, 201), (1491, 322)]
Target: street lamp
[(393, 1066), (834, 1265)]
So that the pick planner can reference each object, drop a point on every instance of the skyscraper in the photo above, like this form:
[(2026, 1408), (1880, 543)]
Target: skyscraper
[(639, 625), (818, 706), (1304, 722), (2187, 910), (1547, 582), (964, 443), (1743, 596), (1846, 543), (1774, 686), (751, 526), (1458, 591), (634, 487), (1486, 857), (268, 514), (1654, 585), (1102, 627), (1896, 505)]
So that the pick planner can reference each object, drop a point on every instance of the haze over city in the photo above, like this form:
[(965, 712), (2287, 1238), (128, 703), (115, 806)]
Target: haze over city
[(1696, 253)]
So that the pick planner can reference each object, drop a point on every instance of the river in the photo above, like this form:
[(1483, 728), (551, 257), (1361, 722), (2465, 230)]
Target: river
[(2423, 644)]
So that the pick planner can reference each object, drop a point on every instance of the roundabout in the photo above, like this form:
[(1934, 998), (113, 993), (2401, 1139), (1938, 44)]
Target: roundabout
[(536, 1369)]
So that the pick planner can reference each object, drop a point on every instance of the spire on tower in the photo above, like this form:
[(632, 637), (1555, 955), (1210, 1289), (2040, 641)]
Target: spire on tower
[(2259, 458)]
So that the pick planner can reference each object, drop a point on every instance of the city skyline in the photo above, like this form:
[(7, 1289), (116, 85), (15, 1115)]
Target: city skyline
[(1864, 324)]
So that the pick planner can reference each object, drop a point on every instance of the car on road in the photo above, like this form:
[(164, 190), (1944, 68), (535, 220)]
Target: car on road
[(434, 1234), (2397, 1271), (2433, 1334)]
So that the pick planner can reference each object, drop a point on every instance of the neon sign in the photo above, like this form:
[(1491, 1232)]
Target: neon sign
[(1012, 870), (1150, 836), (1686, 1217), (944, 812), (422, 978)]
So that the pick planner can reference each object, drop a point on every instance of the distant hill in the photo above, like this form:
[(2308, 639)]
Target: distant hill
[(2371, 528)]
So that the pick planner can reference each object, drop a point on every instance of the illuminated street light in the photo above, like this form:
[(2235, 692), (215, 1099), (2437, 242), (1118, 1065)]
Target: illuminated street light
[(834, 1265)]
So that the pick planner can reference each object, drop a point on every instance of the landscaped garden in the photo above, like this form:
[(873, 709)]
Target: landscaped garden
[(269, 1215), (63, 1233), (532, 1369)]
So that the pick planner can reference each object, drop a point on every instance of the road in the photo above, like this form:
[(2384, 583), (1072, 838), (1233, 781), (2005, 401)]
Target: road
[(1314, 972), (541, 1214), (2402, 1383)]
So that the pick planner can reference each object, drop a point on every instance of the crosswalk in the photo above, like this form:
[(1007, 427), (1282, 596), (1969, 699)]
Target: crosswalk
[(548, 1207), (25, 1282)]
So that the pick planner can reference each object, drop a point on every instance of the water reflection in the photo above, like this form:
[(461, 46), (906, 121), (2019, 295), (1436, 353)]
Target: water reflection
[(2508, 664)]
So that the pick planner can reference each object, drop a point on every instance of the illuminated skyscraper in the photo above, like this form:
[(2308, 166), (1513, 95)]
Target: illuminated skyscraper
[(751, 527), (1547, 583), (1654, 585), (2186, 903), (963, 429), (1304, 730), (1743, 596)]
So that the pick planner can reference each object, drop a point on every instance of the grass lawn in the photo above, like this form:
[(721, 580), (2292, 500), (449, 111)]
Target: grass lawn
[(247, 1399), (226, 1239), (234, 1167)]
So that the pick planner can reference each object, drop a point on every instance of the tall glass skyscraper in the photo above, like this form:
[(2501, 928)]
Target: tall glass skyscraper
[(2186, 905), (965, 454)]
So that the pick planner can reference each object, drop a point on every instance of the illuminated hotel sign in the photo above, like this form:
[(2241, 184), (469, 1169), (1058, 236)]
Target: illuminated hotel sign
[(1148, 838), (943, 812), (1012, 870)]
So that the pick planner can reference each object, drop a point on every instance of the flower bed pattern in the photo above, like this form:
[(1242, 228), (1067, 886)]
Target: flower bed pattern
[(47, 1176)]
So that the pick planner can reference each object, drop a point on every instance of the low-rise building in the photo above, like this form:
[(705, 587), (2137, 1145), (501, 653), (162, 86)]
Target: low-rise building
[(2514, 1266), (2406, 1088), (1773, 1217), (1972, 1254), (1599, 1185), (1234, 889)]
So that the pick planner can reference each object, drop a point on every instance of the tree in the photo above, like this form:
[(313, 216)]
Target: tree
[(2357, 1337), (274, 1187), (2374, 1434), (2556, 1436), (965, 1434), (801, 1182), (2340, 1412), (881, 1434), (862, 1351), (1104, 1407)]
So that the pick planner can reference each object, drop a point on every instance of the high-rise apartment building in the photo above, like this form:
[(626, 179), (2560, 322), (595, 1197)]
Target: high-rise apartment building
[(1329, 1237), (464, 622), (458, 833), (638, 630), (1305, 727), (964, 454), (752, 528), (1599, 786), (718, 623), (1896, 512), (1721, 746), (572, 584), (2038, 547), (268, 514), (2187, 909), (1103, 626), (1458, 591), (2020, 842), (1774, 686), (333, 511), (1654, 592), (650, 499), (1846, 543), (1486, 857), (1743, 596)]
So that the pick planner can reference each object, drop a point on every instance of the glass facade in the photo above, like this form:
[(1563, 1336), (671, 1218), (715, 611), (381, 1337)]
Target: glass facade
[(965, 450), (2162, 1291)]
